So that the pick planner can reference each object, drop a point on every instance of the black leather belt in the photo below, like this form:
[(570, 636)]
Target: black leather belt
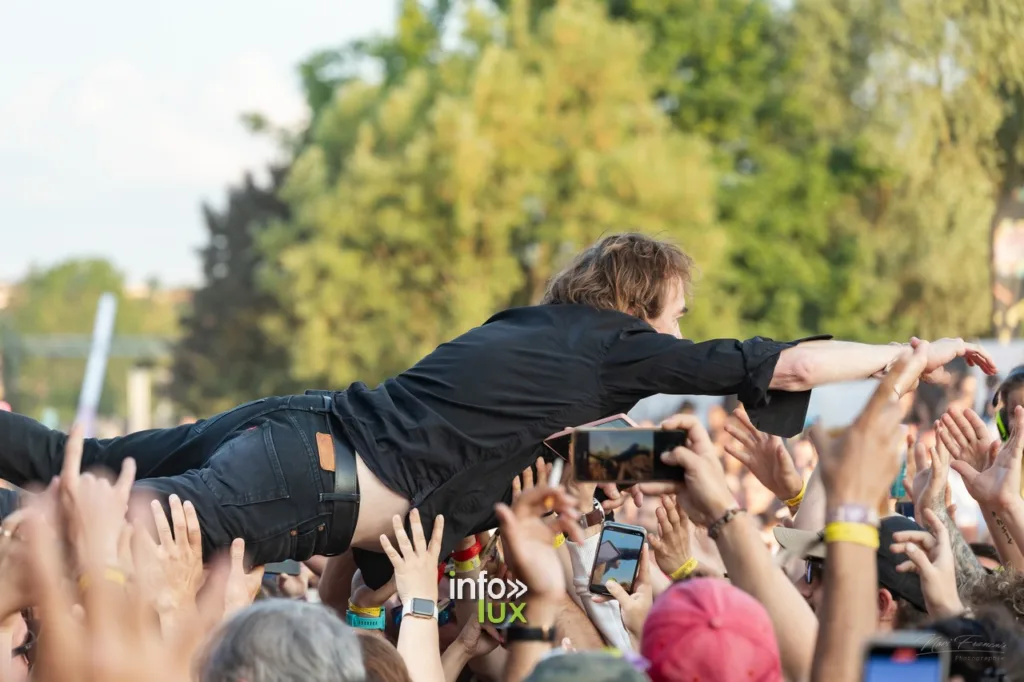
[(345, 495)]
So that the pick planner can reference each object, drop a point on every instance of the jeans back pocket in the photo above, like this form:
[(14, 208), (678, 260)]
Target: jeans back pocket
[(246, 469)]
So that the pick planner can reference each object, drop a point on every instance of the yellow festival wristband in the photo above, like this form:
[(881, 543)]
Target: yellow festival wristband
[(371, 611), (110, 574), (468, 565), (559, 540), (856, 533), (795, 501), (686, 570)]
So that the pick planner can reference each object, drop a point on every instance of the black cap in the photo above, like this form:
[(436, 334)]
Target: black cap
[(900, 585)]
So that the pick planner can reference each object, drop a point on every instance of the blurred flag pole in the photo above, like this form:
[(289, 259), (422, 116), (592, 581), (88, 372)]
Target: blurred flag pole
[(96, 368)]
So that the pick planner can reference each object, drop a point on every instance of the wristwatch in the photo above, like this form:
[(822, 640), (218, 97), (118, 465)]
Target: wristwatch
[(595, 517), (420, 608)]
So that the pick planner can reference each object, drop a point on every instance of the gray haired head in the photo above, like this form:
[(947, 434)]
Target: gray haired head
[(280, 640)]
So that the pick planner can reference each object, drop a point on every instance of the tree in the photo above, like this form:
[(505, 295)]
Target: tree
[(222, 358), (936, 96), (420, 209), (63, 300)]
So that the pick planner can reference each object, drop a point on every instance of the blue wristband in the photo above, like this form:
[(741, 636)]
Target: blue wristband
[(362, 622)]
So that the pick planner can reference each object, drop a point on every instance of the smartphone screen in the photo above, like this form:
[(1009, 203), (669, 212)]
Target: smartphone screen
[(625, 456), (902, 664), (288, 567), (560, 443), (618, 557)]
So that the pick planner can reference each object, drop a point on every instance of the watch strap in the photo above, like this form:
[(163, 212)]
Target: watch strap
[(853, 513), (594, 517), (364, 622)]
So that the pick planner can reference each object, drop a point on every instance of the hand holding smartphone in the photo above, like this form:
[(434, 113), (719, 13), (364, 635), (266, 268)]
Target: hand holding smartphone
[(906, 656), (625, 456), (618, 557), (560, 443)]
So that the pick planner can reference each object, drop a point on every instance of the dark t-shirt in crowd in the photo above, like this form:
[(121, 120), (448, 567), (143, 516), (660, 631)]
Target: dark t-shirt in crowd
[(452, 432)]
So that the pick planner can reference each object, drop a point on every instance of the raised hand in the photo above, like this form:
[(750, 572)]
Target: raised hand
[(416, 563), (944, 351), (998, 486), (528, 542), (525, 481), (672, 543), (170, 568), (967, 438), (242, 585), (704, 493), (764, 455), (635, 607), (859, 467), (928, 488), (930, 555)]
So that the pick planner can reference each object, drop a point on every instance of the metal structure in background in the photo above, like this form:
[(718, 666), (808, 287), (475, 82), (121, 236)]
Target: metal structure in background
[(145, 351)]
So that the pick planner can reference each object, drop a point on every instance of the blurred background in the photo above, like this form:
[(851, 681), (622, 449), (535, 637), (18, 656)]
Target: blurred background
[(302, 195)]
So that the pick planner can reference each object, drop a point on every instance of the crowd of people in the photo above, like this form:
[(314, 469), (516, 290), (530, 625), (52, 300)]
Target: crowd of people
[(764, 559)]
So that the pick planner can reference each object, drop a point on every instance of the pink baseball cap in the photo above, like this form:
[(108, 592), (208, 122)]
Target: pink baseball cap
[(705, 629)]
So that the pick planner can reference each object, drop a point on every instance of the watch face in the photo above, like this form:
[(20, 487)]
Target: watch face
[(423, 607)]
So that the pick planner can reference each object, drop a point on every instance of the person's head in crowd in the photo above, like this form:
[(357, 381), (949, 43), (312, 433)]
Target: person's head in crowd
[(706, 629), (999, 589), (804, 456), (984, 648), (279, 640), (1008, 396), (756, 497), (381, 659), (988, 555), (717, 417), (632, 273), (688, 407), (592, 666), (900, 599)]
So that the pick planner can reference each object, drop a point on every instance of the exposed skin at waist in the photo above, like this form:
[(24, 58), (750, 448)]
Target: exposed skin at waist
[(377, 505)]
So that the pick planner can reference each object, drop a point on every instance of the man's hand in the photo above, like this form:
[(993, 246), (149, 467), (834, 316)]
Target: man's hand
[(242, 586), (967, 438), (998, 486), (416, 564), (171, 570), (672, 543), (525, 481), (528, 542), (859, 467), (928, 489), (704, 493), (944, 351), (635, 607), (931, 556), (764, 455)]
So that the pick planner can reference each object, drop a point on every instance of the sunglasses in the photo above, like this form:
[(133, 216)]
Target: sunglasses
[(814, 570)]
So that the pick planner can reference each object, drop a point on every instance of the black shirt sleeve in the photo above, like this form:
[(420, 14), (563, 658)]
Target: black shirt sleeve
[(642, 362)]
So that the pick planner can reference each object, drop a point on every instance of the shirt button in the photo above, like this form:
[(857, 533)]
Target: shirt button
[(321, 527)]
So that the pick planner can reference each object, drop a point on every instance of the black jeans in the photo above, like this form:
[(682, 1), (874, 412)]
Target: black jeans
[(252, 472)]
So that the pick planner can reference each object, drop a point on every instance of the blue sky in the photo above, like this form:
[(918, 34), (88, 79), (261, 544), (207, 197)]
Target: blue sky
[(118, 118)]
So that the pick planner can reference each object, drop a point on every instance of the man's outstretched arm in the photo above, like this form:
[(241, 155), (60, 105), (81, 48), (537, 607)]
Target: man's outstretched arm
[(816, 363)]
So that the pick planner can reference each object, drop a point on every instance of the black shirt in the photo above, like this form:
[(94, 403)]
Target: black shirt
[(452, 432)]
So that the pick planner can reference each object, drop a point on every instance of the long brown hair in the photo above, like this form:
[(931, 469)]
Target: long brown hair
[(628, 272)]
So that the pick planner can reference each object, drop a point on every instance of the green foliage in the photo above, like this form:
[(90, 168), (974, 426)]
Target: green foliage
[(63, 300), (421, 208), (222, 358)]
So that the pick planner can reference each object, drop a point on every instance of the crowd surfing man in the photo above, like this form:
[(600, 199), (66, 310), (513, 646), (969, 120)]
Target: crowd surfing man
[(313, 474)]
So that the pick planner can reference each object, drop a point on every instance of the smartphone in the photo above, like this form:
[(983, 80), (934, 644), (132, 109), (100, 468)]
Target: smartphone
[(288, 567), (624, 456), (906, 656), (560, 442), (618, 557), (490, 550)]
